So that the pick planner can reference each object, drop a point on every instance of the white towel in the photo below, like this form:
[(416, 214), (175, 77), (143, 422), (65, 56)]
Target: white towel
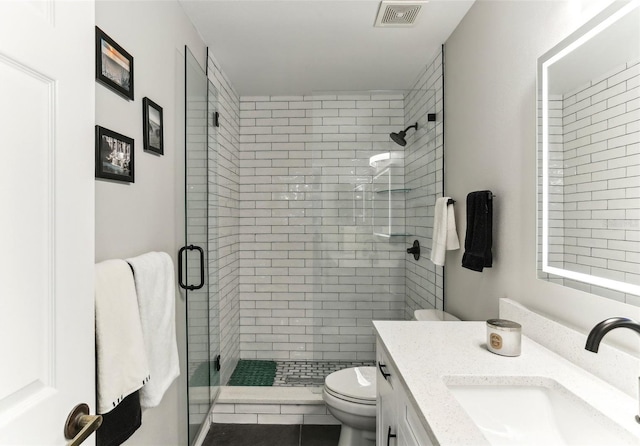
[(155, 286), (121, 362), (445, 237)]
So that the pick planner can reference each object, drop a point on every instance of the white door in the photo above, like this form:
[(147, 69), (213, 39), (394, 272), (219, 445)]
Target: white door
[(46, 217)]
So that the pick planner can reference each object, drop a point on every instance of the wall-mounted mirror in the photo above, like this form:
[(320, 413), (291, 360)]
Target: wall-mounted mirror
[(589, 157)]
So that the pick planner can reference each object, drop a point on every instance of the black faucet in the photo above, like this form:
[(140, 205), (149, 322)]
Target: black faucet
[(602, 328)]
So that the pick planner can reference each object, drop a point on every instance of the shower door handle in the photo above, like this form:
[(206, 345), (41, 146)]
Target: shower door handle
[(201, 255)]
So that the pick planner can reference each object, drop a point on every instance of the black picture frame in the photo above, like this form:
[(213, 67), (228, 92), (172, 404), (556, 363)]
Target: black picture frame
[(114, 66), (115, 156), (152, 127)]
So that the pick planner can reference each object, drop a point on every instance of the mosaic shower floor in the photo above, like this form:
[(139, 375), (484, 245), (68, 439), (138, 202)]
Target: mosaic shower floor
[(310, 373), (253, 373), (273, 373)]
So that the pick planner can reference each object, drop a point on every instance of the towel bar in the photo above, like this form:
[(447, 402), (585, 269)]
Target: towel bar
[(490, 194)]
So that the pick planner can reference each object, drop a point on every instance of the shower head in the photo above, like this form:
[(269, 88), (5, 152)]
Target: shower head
[(398, 138)]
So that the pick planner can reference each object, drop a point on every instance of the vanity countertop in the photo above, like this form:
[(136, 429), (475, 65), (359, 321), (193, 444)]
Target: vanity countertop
[(428, 355)]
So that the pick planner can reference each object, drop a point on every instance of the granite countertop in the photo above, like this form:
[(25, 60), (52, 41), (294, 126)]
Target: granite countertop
[(428, 355)]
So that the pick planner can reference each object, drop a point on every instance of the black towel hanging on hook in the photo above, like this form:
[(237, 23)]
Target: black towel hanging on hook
[(478, 240)]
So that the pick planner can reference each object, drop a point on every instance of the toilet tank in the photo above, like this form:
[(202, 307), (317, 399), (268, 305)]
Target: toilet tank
[(433, 315)]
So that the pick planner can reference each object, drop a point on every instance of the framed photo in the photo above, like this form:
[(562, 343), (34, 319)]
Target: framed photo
[(114, 66), (114, 155), (152, 127)]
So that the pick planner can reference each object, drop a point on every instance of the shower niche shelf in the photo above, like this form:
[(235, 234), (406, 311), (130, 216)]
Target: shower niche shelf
[(392, 191), (391, 235), (389, 196)]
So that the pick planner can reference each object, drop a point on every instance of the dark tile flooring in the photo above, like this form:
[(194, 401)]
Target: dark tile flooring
[(272, 435)]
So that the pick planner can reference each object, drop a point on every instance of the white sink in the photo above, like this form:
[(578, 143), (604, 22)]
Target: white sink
[(537, 411)]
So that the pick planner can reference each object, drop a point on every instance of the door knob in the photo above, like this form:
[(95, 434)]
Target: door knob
[(80, 424)]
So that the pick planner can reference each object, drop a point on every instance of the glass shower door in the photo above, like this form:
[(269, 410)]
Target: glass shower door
[(198, 264)]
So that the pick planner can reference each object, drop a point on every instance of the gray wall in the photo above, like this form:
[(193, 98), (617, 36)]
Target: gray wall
[(490, 134), (146, 216)]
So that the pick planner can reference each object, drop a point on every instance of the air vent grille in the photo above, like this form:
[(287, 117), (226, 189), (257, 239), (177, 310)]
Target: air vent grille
[(395, 13)]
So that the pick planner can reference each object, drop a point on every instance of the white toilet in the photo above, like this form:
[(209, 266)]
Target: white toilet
[(350, 394)]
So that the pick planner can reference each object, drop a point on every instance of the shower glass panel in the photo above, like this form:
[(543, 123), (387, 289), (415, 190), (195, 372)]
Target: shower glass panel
[(369, 198), (357, 200), (331, 206), (203, 338)]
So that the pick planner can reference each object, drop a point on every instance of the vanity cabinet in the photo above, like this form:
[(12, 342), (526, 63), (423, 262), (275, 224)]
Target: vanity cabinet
[(397, 421), (386, 400)]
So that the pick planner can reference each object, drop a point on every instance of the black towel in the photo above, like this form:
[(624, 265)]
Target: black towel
[(477, 243), (120, 423)]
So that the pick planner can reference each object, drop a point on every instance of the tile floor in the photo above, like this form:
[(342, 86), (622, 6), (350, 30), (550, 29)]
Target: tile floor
[(272, 435), (309, 373), (288, 373)]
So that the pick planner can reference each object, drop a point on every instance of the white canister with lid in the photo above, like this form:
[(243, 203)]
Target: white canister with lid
[(504, 337)]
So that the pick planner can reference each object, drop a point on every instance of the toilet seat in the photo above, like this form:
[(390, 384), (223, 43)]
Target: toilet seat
[(356, 385), (365, 402)]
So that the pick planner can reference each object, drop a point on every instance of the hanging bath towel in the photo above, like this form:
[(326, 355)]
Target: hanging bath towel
[(121, 361), (478, 241), (445, 236), (120, 423), (156, 289)]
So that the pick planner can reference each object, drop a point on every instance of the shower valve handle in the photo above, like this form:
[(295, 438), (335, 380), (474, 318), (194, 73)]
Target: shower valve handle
[(415, 250)]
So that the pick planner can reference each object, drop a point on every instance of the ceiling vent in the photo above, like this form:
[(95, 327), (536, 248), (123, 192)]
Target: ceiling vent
[(398, 13)]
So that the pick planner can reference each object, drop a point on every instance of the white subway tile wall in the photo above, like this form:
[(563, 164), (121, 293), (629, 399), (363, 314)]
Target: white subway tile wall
[(213, 233), (224, 186), (424, 163), (312, 274), (198, 413), (556, 189), (298, 272), (243, 413), (599, 199), (196, 226)]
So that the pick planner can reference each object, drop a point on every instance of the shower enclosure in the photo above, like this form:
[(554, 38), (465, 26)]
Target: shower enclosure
[(304, 208), (197, 265)]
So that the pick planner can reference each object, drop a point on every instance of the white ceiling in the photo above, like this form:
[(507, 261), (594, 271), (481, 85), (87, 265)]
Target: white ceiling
[(293, 47)]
